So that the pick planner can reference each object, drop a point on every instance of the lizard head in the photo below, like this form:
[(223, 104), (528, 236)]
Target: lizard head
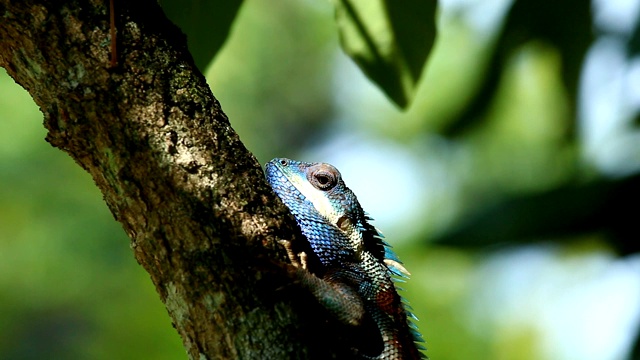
[(319, 183), (315, 193), (302, 185)]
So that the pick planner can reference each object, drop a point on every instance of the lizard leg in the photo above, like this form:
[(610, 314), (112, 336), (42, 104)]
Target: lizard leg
[(298, 260), (339, 298)]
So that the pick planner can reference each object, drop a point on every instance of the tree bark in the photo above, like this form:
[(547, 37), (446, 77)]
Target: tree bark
[(193, 200)]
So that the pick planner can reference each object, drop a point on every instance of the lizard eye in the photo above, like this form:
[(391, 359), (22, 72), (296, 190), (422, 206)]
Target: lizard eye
[(323, 177), (284, 162)]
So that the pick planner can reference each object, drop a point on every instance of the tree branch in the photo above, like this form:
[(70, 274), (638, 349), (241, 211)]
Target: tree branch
[(201, 219)]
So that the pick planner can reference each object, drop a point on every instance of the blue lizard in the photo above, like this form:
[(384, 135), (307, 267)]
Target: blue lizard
[(358, 268)]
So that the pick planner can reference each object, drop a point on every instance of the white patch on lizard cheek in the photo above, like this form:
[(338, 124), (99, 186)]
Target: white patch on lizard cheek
[(316, 197)]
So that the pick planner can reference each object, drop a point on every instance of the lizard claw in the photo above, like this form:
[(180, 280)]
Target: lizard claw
[(297, 259)]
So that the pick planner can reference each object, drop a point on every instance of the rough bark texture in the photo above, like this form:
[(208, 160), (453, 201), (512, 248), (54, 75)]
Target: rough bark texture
[(201, 219)]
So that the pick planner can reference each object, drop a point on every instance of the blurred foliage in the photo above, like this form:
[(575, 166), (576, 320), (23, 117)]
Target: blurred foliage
[(389, 40), (560, 213), (565, 25), (272, 76), (516, 224), (206, 24)]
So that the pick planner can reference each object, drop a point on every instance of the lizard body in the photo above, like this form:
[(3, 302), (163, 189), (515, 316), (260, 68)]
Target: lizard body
[(355, 282)]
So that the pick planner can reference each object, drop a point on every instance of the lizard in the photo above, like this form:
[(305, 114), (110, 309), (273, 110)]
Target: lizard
[(355, 281)]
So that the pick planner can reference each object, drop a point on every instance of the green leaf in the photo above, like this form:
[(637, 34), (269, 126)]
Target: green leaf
[(564, 212), (389, 40), (205, 22), (566, 25)]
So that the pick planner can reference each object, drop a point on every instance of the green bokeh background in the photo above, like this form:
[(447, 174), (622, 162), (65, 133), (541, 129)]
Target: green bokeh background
[(70, 287)]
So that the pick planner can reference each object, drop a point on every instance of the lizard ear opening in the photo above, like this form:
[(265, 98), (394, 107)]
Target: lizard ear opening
[(323, 177), (344, 223)]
